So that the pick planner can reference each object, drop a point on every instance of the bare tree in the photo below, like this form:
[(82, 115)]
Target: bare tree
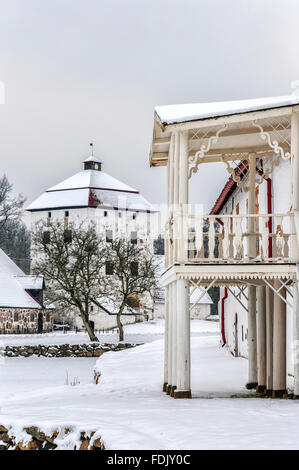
[(131, 276), (72, 262), (10, 208)]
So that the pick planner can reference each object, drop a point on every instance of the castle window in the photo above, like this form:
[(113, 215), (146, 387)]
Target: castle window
[(31, 316), (134, 216), (16, 316), (46, 237), (109, 236), (47, 317), (134, 268), (134, 238), (66, 214), (109, 268), (49, 215), (105, 213)]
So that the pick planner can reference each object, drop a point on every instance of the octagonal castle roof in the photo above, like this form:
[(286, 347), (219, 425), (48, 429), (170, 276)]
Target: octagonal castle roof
[(90, 187)]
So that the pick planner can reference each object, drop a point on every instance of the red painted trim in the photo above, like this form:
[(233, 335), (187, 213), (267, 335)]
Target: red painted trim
[(269, 209), (223, 317), (29, 293), (228, 189)]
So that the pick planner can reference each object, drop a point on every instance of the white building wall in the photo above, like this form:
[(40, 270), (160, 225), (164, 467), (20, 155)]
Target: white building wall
[(281, 190)]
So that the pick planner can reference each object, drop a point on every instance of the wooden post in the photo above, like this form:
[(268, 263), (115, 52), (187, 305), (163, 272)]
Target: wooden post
[(183, 389), (252, 346), (294, 246), (183, 196), (251, 339), (261, 339), (174, 339), (165, 383), (176, 195), (170, 326), (296, 339), (170, 199), (269, 340), (295, 187), (168, 261), (279, 344)]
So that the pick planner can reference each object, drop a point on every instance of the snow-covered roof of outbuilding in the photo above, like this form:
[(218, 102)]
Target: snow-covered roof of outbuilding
[(90, 188), (12, 288), (179, 113)]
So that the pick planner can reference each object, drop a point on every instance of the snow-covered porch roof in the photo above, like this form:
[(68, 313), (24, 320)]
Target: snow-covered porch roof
[(222, 131)]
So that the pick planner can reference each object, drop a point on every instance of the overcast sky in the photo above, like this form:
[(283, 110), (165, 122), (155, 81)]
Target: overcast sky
[(77, 71)]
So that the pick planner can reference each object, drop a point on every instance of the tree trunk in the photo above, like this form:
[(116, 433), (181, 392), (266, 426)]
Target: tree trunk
[(89, 330), (120, 327), (119, 323)]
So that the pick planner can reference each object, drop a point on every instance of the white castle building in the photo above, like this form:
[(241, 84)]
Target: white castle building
[(92, 196)]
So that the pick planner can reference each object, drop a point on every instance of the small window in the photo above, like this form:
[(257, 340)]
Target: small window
[(134, 238), (46, 237), (134, 216), (47, 317), (66, 214), (105, 213), (16, 316), (91, 308), (134, 268), (31, 316), (49, 215), (68, 236), (108, 268), (109, 236)]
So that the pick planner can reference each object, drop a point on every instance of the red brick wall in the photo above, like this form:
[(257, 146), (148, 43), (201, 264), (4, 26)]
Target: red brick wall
[(20, 320)]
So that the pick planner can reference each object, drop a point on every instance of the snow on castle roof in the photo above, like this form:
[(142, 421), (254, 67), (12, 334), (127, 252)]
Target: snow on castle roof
[(90, 188), (12, 291), (172, 114), (92, 158)]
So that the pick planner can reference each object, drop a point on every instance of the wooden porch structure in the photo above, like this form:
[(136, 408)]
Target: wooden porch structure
[(254, 251)]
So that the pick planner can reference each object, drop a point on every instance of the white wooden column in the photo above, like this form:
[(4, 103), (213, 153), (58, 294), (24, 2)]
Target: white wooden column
[(251, 248), (170, 326), (176, 193), (294, 246), (279, 344), (269, 340), (174, 339), (261, 339), (183, 389), (296, 339), (183, 197), (168, 260), (170, 199), (166, 316), (251, 339)]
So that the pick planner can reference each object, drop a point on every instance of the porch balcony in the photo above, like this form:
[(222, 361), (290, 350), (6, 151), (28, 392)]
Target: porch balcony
[(223, 250), (224, 239)]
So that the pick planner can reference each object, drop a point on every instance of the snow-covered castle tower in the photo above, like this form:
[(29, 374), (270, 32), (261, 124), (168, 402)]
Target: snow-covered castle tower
[(94, 196)]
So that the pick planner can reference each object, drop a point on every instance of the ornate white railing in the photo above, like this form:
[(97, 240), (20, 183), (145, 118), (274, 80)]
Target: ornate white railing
[(226, 238)]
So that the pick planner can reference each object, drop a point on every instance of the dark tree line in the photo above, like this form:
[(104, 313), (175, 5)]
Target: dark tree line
[(14, 235)]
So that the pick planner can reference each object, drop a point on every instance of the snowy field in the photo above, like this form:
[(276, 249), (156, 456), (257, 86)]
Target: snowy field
[(129, 411), (137, 333)]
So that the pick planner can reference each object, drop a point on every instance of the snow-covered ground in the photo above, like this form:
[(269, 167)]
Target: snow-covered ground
[(129, 411), (137, 333)]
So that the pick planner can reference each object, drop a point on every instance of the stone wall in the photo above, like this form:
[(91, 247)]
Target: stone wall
[(35, 439), (22, 320), (64, 350)]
